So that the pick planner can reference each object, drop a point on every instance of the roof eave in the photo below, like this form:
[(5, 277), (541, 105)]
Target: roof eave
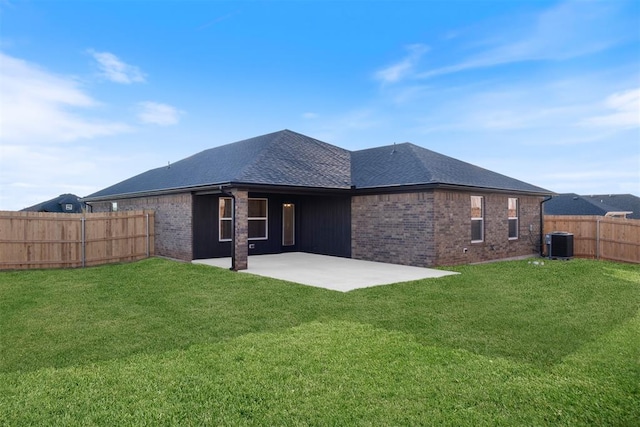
[(216, 188), (151, 193), (445, 186)]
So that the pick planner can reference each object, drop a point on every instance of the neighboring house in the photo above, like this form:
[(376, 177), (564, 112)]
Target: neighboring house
[(619, 205), (285, 191), (66, 203)]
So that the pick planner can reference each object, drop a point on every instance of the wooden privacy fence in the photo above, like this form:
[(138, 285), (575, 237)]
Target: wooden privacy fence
[(54, 240), (599, 237)]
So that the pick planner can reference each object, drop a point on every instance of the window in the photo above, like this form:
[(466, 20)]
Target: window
[(68, 207), (114, 206), (288, 224), (477, 218), (257, 219), (225, 217), (513, 218)]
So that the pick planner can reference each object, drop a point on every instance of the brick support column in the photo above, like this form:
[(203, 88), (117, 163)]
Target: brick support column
[(241, 230)]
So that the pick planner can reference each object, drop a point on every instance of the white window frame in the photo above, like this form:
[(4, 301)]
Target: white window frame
[(259, 218), (227, 219), (480, 219), (512, 218)]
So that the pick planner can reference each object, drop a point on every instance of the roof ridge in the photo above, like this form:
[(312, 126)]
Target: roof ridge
[(275, 137)]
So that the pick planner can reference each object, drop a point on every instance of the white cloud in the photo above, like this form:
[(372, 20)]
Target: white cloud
[(568, 30), (158, 114), (115, 70), (44, 120), (38, 106), (310, 115), (405, 67), (626, 111)]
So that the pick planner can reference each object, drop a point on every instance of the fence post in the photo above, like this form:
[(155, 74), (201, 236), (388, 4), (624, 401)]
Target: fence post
[(598, 238), (84, 242), (147, 243)]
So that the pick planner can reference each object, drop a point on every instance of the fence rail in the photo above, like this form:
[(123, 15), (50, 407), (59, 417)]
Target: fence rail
[(53, 240), (599, 237)]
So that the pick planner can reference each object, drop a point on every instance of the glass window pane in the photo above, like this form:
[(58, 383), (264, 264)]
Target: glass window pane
[(225, 229), (513, 228), (257, 208), (257, 228), (288, 224), (225, 207), (476, 207), (513, 207), (476, 230)]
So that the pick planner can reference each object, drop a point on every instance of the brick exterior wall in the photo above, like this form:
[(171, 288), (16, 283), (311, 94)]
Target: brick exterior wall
[(434, 227), (241, 230), (173, 221), (395, 228), (453, 227)]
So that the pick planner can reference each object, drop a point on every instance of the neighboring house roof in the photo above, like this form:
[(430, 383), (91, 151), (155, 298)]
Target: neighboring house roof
[(574, 204), (287, 158), (67, 203)]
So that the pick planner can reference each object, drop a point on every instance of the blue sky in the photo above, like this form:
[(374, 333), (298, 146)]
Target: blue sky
[(94, 92)]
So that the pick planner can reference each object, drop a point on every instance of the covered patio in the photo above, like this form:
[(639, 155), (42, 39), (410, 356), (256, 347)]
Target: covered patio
[(334, 273)]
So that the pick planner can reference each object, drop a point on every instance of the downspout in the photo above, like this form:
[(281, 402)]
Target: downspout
[(233, 227), (542, 224)]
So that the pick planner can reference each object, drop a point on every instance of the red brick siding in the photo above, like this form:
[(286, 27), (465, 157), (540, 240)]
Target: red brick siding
[(434, 227), (173, 221), (394, 228), (453, 227)]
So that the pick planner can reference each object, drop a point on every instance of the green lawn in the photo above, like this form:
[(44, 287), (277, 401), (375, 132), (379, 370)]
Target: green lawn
[(165, 343)]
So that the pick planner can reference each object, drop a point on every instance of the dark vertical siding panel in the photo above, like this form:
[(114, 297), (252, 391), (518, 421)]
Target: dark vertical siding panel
[(273, 244), (325, 225), (205, 229), (202, 226)]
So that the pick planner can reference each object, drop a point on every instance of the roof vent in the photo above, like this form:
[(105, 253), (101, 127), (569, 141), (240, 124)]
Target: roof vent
[(393, 151)]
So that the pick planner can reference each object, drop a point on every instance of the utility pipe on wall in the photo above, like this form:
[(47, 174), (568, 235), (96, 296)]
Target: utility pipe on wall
[(542, 224)]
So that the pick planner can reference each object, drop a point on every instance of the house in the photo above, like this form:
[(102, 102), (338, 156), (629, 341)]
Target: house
[(619, 205), (285, 191), (66, 203)]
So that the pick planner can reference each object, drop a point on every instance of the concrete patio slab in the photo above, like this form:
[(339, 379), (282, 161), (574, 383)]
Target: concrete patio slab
[(335, 273)]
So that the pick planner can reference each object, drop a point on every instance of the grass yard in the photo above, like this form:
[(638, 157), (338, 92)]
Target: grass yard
[(164, 343)]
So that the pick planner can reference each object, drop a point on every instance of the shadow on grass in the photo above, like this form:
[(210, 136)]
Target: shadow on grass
[(534, 314)]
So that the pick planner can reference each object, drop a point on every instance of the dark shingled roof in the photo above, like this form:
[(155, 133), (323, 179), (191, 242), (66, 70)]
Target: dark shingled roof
[(287, 158), (58, 204), (406, 164), (280, 158), (573, 204)]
